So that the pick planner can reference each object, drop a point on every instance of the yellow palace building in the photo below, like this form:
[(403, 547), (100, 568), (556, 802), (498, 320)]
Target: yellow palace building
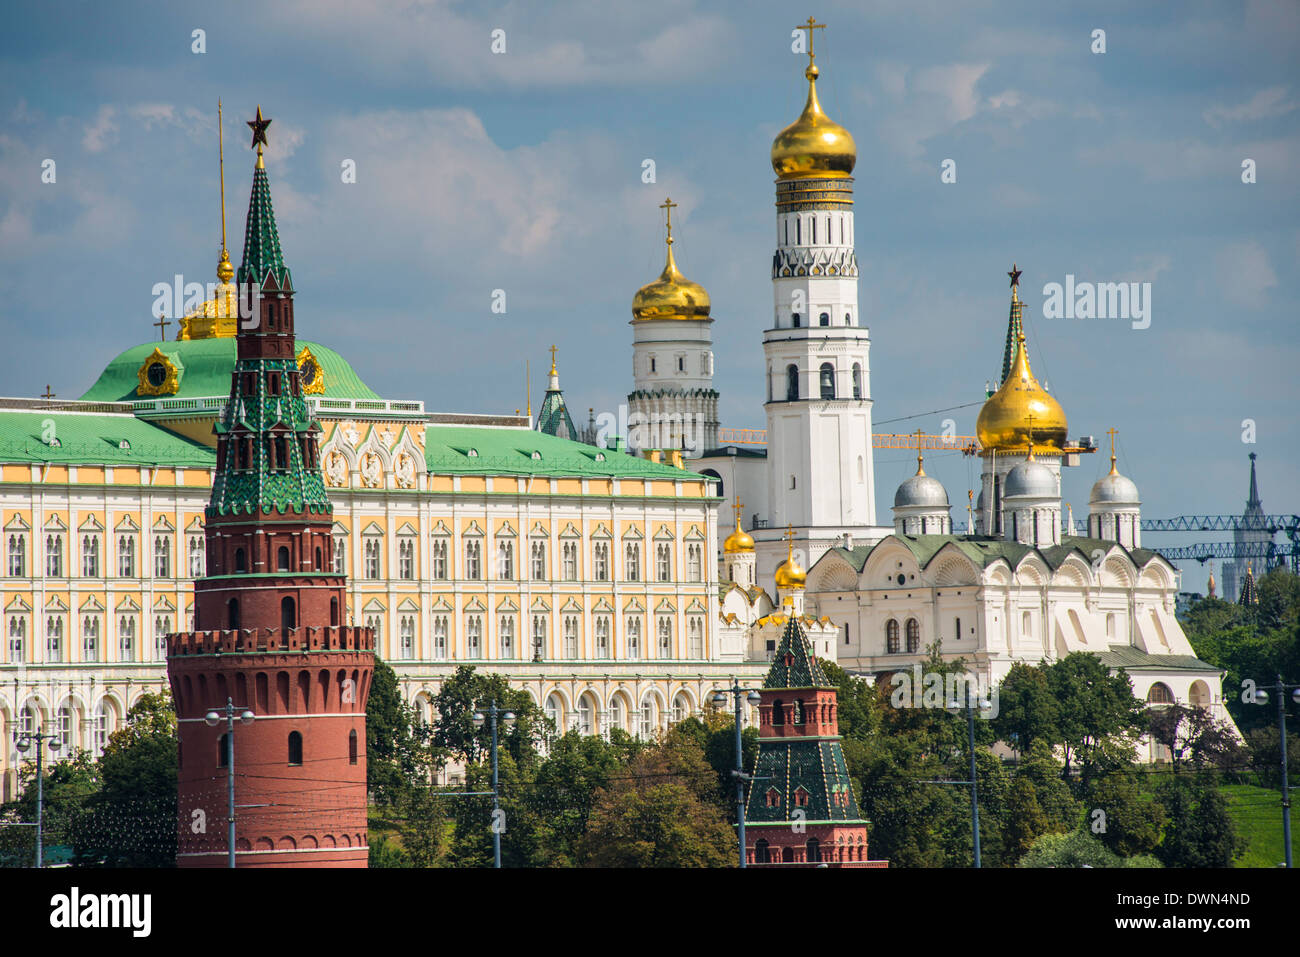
[(586, 575)]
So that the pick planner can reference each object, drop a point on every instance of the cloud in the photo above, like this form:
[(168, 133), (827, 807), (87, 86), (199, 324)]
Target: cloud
[(1243, 273), (1265, 104), (102, 132)]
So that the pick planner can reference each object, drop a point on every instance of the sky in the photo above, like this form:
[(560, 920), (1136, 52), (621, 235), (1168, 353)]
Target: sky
[(523, 171)]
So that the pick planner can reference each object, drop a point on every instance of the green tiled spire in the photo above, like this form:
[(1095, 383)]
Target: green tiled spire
[(553, 418), (262, 254), (795, 665), (1015, 325)]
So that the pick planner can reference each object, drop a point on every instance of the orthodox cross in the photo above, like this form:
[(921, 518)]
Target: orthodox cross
[(810, 26), (668, 206), (789, 539), (553, 351), (47, 394), (162, 325), (1030, 417), (738, 506), (1112, 432), (920, 470)]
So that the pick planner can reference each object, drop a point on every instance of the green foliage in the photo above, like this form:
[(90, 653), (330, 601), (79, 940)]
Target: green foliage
[(397, 754), (1078, 849), (1133, 820), (1027, 710), (385, 852), (468, 691), (1194, 737), (1200, 832), (1256, 813), (855, 702)]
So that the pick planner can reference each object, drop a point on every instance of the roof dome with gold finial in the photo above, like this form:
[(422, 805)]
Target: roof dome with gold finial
[(789, 574), (1005, 421), (672, 295), (814, 145), (739, 540)]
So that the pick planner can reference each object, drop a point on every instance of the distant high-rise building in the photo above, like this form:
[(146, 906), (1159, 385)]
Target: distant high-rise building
[(1252, 532)]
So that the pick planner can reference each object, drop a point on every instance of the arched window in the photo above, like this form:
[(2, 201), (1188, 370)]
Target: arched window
[(814, 851), (761, 853), (913, 636), (1160, 694), (778, 712), (797, 711), (18, 556), (601, 562), (223, 751), (647, 716), (824, 319), (791, 382), (288, 614), (633, 637), (555, 711), (585, 725), (295, 747), (569, 557), (617, 718), (632, 561), (241, 564), (334, 611), (506, 636), (663, 562), (538, 554), (232, 614), (318, 566), (827, 379), (1026, 624), (891, 637), (602, 637), (473, 554), (848, 318), (282, 559), (406, 558), (506, 560), (795, 319), (857, 380), (352, 746)]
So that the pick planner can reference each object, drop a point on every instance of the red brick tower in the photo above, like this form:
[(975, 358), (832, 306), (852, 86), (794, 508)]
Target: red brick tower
[(269, 612), (801, 810)]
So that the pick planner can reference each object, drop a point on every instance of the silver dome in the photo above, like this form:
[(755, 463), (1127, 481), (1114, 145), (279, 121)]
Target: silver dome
[(921, 490), (1114, 489), (1030, 478)]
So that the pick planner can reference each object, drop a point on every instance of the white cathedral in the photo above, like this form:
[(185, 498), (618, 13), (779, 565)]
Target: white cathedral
[(875, 598)]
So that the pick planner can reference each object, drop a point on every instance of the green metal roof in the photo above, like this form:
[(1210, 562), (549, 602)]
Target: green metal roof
[(95, 439), (207, 364), (1134, 659), (448, 449)]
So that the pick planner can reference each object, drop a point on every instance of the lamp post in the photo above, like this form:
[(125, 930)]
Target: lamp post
[(212, 718), (720, 701), (954, 705), (507, 718), (1261, 697), (22, 742)]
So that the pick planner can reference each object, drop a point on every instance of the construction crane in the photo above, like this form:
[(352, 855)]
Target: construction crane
[(1270, 552), (879, 440)]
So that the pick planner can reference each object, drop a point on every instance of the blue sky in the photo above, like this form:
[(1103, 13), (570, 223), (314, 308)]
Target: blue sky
[(522, 171)]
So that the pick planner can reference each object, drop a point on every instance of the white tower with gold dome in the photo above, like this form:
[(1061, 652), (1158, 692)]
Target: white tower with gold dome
[(1019, 415), (738, 554), (818, 396), (673, 405)]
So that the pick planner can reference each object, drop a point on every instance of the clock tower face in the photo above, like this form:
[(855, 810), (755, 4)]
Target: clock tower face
[(309, 370), (156, 374)]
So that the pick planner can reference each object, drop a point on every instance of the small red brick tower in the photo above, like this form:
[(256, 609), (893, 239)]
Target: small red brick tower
[(269, 612), (801, 809)]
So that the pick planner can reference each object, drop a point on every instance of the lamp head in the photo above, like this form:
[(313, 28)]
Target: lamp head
[(54, 744), (478, 719), (1261, 696), (1295, 696), (247, 717), (211, 719), (754, 697), (509, 718), (22, 743), (719, 699)]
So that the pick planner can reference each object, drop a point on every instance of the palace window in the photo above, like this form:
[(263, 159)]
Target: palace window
[(506, 629), (54, 639), (406, 558), (53, 556), (372, 558), (634, 637), (539, 637), (891, 637), (602, 561), (282, 558), (126, 637), (824, 319), (538, 561), (406, 638), (913, 636), (792, 380), (506, 561), (376, 624), (474, 636), (695, 640), (585, 725), (162, 557), (616, 717), (440, 637), (162, 627), (602, 637), (18, 556), (126, 556), (64, 729), (17, 640), (570, 552), (473, 552), (340, 555), (632, 561), (665, 637), (90, 638), (570, 636), (99, 729), (90, 556), (694, 563), (647, 716), (555, 711), (197, 557), (857, 380), (663, 562), (440, 559)]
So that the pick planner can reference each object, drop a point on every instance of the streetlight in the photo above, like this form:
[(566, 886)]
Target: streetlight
[(22, 742), (507, 718), (212, 718), (954, 705), (720, 701), (1261, 697)]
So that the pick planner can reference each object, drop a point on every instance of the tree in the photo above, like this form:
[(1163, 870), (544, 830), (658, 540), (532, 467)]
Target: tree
[(397, 754), (1027, 709), (1130, 822), (468, 691), (1098, 714), (1078, 849), (653, 815), (855, 702), (1200, 832), (67, 786), (1192, 735)]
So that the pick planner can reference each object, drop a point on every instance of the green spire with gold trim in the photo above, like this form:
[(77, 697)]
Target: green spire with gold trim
[(262, 257), (795, 665)]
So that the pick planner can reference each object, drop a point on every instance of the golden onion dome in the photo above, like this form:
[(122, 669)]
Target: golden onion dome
[(738, 541), (813, 145), (671, 296), (1020, 406), (790, 575)]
